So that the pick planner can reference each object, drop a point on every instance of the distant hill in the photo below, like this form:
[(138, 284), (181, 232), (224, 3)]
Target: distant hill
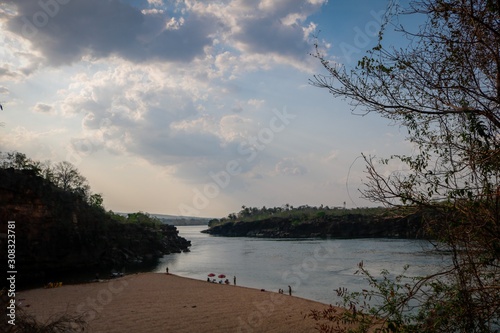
[(178, 220), (182, 220)]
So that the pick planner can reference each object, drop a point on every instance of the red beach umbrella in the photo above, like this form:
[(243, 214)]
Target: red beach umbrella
[(211, 275), (221, 276)]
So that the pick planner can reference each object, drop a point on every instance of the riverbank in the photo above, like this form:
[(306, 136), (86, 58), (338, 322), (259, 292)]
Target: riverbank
[(157, 302), (348, 226)]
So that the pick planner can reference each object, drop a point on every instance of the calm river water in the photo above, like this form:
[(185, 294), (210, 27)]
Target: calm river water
[(314, 268)]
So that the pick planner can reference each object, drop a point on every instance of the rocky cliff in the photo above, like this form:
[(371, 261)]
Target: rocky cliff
[(347, 226), (56, 231)]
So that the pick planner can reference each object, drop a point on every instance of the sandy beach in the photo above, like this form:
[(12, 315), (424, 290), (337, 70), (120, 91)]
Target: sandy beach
[(155, 302)]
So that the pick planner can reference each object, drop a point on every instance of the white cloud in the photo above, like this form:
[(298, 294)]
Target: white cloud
[(290, 167), (43, 108), (257, 103), (6, 72), (198, 125), (263, 27), (332, 155), (156, 3), (19, 138), (236, 127)]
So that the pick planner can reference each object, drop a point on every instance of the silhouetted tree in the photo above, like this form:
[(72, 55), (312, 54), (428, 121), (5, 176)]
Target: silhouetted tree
[(67, 177), (444, 88)]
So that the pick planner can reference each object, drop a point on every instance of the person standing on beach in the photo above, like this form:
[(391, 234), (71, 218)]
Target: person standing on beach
[(166, 269), (290, 290), (234, 279)]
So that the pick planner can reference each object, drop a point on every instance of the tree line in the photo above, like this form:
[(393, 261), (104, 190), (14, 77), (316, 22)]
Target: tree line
[(68, 178), (63, 175), (299, 214)]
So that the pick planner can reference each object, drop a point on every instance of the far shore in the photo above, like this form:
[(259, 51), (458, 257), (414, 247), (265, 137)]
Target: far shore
[(159, 302)]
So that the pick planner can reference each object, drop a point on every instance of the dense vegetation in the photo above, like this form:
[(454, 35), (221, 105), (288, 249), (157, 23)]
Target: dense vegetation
[(318, 222), (300, 214), (140, 218), (67, 178), (63, 175), (443, 86), (62, 227)]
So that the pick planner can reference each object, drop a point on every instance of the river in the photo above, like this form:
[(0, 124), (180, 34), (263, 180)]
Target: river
[(314, 268)]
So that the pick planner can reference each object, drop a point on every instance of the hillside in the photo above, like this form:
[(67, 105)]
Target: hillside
[(56, 231), (182, 220), (177, 220)]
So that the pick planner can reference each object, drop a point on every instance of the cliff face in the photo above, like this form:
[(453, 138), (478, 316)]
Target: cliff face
[(57, 231), (348, 226)]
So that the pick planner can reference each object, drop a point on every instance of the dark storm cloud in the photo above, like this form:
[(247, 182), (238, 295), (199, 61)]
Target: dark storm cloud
[(277, 27), (67, 30)]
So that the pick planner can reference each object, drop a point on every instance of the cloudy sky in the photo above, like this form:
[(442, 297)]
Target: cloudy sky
[(189, 107)]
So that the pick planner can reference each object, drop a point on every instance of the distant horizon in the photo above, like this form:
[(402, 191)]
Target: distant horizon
[(225, 216)]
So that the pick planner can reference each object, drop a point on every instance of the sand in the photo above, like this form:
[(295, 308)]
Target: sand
[(157, 302)]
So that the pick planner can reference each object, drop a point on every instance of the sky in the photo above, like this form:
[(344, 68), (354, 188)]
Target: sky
[(191, 107)]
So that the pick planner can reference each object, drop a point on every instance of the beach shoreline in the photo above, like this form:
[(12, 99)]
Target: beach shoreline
[(159, 302)]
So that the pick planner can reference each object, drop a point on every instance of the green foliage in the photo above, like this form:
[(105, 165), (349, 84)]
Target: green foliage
[(214, 222), (96, 200), (144, 219), (400, 304), (299, 215), (117, 217)]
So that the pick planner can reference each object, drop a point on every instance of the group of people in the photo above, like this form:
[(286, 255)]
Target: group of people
[(220, 281), (281, 291)]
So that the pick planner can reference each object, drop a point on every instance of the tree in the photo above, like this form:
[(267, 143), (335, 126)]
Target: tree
[(63, 175), (20, 161), (46, 171), (96, 200), (444, 88), (144, 219), (66, 176)]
